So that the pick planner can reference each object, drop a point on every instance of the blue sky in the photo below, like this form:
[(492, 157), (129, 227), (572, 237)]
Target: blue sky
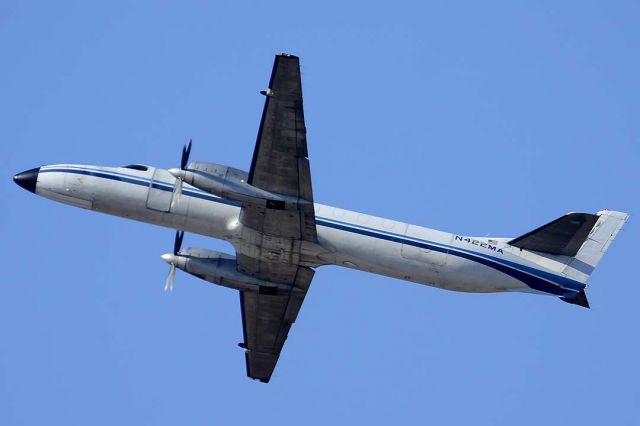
[(474, 117)]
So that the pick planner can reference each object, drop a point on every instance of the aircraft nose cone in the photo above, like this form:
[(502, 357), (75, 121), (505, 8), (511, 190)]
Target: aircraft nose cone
[(28, 179), (168, 257)]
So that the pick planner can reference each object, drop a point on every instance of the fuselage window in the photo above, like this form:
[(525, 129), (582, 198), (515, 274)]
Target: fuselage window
[(137, 167)]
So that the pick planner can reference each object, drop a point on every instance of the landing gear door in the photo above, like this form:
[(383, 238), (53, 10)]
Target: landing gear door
[(160, 191)]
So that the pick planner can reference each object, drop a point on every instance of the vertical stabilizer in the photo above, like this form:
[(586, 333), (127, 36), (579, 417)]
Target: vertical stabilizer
[(596, 244)]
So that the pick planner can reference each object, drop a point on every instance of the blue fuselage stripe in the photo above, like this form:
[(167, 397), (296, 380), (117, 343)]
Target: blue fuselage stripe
[(532, 281), (445, 248), (551, 283), (140, 181)]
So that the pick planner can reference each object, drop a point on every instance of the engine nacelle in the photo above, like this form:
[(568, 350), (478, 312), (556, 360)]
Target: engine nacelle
[(222, 269), (230, 183)]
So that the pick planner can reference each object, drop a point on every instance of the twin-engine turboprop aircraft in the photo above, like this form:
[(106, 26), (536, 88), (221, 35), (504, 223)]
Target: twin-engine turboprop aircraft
[(280, 235)]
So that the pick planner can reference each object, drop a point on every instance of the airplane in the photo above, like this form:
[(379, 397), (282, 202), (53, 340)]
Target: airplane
[(281, 236)]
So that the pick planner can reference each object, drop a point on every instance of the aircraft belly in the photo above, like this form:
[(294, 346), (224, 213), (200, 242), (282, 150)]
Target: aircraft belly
[(415, 263), (464, 275), (124, 199), (259, 245), (371, 254), (429, 257), (189, 214)]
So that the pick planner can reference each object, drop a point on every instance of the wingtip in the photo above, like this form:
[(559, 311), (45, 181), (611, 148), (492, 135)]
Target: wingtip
[(287, 55), (259, 379)]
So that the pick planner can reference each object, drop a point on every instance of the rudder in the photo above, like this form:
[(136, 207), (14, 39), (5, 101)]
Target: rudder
[(596, 244)]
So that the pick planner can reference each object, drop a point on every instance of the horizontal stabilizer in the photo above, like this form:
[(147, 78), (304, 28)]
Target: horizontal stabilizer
[(564, 236)]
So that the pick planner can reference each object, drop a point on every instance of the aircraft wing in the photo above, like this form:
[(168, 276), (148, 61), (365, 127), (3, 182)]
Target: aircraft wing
[(275, 233), (266, 320), (280, 162)]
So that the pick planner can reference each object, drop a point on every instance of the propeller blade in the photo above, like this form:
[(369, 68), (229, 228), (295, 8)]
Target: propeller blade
[(168, 286), (175, 197), (177, 244), (186, 151), (177, 192)]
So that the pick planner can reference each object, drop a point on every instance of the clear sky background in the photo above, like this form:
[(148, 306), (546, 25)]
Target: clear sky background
[(482, 118)]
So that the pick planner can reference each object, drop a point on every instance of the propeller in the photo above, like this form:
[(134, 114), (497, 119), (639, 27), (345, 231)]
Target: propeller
[(184, 160), (171, 260), (186, 151)]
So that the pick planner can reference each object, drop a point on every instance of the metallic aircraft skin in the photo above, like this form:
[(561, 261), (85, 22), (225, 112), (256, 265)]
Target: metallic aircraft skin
[(281, 235), (345, 238)]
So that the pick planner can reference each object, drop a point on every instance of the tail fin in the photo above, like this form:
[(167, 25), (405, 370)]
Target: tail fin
[(596, 244), (572, 245), (562, 237)]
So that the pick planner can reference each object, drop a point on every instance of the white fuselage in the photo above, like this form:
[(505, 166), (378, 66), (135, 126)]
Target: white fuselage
[(346, 238)]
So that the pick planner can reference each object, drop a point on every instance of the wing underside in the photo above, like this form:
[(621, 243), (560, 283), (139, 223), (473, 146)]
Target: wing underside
[(273, 235), (266, 320)]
